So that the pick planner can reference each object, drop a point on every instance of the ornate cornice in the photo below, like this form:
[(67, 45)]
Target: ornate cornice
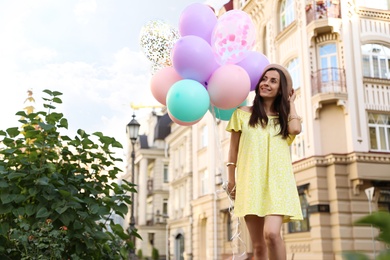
[(327, 160), (373, 14)]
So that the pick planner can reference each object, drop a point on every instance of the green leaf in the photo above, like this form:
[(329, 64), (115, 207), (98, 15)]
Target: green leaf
[(100, 235), (6, 198), (43, 213), (4, 228), (46, 127), (32, 133), (64, 123), (30, 210), (56, 93), (43, 181), (47, 91), (57, 100), (4, 209), (15, 175), (13, 131)]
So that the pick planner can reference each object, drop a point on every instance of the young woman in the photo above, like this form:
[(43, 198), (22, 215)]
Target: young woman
[(260, 176)]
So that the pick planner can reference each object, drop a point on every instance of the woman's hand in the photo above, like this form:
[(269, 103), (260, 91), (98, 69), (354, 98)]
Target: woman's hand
[(292, 96), (231, 190)]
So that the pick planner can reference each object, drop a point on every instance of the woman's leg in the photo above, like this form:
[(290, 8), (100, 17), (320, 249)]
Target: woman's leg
[(255, 227), (273, 238)]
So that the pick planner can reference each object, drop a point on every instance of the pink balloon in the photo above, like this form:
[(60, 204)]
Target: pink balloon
[(254, 64), (193, 58), (197, 19), (229, 86), (233, 35), (162, 81), (182, 123)]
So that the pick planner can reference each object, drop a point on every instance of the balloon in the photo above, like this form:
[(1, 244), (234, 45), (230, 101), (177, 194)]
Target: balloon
[(224, 114), (193, 58), (254, 64), (233, 35), (228, 86), (162, 81), (157, 39), (197, 19), (175, 120), (188, 100)]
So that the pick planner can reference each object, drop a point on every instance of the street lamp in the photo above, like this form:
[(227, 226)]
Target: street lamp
[(132, 130)]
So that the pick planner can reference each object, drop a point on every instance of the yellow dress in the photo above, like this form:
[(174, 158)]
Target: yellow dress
[(265, 182)]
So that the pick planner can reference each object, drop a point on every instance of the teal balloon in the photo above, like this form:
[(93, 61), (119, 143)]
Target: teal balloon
[(224, 114), (188, 100)]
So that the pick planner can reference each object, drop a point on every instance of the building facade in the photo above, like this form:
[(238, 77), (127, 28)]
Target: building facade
[(338, 53)]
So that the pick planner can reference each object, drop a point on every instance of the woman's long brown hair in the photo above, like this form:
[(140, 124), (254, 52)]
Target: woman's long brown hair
[(281, 105)]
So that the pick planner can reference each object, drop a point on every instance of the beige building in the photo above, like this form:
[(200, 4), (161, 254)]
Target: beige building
[(338, 53)]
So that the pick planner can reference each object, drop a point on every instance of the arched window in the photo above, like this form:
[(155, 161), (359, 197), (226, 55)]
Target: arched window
[(179, 247), (376, 61), (287, 15), (293, 68)]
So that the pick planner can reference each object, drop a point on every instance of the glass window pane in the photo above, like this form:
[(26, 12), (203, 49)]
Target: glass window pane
[(373, 140), (366, 66), (382, 138), (375, 65)]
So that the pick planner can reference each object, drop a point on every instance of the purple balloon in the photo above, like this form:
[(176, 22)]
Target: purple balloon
[(193, 58), (254, 64), (199, 20)]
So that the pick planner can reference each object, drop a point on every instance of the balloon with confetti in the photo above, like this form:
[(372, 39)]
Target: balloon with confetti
[(157, 39)]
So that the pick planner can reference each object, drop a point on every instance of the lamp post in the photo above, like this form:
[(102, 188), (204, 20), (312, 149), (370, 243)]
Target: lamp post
[(132, 130)]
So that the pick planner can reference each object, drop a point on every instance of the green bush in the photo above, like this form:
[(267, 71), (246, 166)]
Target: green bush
[(380, 220), (155, 255), (57, 195)]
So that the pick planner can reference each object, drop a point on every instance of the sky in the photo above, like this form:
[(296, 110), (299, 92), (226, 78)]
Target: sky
[(87, 49)]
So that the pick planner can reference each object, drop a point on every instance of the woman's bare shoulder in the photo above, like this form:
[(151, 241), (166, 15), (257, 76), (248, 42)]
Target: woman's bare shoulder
[(246, 109)]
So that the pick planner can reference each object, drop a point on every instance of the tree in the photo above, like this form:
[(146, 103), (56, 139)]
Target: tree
[(57, 193)]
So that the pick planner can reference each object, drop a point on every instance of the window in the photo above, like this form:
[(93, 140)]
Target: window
[(301, 225), (376, 61), (204, 137), (293, 68), (384, 200), (165, 208), (375, 4), (379, 130), (179, 247), (229, 234), (166, 173), (286, 14), (204, 179), (328, 59)]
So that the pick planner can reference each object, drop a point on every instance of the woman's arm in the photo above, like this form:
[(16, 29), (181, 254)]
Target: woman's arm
[(231, 164), (294, 120)]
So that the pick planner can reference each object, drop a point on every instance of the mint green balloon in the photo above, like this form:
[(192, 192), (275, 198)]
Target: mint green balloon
[(224, 114), (188, 100)]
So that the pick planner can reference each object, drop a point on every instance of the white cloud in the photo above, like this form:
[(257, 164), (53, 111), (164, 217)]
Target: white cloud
[(84, 9)]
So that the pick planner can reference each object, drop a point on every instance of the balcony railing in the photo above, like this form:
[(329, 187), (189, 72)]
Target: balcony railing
[(155, 219), (329, 80), (322, 10)]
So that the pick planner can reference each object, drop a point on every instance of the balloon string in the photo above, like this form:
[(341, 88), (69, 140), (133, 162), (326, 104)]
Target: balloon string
[(236, 241)]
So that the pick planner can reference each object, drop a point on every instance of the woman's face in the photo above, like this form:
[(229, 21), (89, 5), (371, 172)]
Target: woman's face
[(269, 84)]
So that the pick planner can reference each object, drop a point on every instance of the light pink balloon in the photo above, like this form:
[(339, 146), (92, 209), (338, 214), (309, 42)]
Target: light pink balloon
[(228, 86), (162, 81), (233, 36), (182, 123)]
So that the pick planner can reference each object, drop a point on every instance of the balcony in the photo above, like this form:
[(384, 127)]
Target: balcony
[(328, 86), (329, 80), (323, 17)]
